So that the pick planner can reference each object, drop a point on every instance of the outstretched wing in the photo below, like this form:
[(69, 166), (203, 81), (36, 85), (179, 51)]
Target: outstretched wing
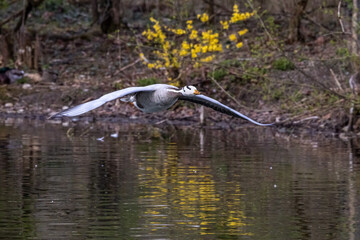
[(88, 106), (216, 105)]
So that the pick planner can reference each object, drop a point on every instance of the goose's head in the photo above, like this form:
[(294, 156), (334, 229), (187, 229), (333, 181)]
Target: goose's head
[(189, 91)]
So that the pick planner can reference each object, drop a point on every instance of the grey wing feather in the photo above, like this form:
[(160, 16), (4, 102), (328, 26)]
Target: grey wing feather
[(88, 106), (216, 105)]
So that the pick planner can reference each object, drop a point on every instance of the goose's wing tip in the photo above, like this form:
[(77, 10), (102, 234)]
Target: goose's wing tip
[(220, 107), (52, 116), (55, 115), (268, 124), (261, 124)]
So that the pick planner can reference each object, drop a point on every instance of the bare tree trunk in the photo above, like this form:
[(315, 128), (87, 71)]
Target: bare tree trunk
[(177, 10), (37, 53), (116, 12), (27, 9), (157, 8), (5, 49), (354, 80), (111, 16), (295, 20), (211, 10), (94, 10), (354, 24)]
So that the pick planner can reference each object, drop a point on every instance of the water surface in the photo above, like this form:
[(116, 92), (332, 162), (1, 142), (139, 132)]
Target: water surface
[(165, 182)]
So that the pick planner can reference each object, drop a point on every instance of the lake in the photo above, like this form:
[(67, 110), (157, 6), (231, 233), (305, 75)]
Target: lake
[(134, 181)]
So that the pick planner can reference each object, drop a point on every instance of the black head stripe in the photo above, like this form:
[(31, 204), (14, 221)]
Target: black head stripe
[(188, 87)]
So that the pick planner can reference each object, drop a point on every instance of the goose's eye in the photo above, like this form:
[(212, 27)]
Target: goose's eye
[(183, 89)]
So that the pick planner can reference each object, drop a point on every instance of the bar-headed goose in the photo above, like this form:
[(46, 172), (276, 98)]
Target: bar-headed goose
[(155, 98), (9, 75)]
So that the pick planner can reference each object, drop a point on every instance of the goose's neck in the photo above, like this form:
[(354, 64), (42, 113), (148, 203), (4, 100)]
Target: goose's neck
[(177, 92)]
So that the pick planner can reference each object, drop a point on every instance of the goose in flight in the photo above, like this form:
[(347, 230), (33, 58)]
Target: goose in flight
[(155, 98)]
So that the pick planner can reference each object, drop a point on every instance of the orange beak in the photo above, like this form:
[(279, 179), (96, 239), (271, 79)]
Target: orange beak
[(196, 92)]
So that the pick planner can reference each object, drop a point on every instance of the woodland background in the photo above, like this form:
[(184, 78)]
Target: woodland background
[(293, 68)]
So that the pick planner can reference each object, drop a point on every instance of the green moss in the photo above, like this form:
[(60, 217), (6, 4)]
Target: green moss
[(118, 85), (22, 80), (283, 64), (4, 4), (147, 81), (4, 96), (342, 52), (53, 5), (230, 63), (253, 72), (219, 74)]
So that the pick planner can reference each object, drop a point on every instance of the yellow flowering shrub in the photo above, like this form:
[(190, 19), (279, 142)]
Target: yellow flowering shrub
[(233, 38), (203, 17), (224, 24), (175, 46)]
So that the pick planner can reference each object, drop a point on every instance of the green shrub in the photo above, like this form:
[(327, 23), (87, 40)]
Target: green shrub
[(230, 63), (219, 74), (147, 81), (342, 52), (22, 80), (253, 73), (283, 64)]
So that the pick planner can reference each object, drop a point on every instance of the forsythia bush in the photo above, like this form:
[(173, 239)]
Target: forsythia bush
[(195, 47)]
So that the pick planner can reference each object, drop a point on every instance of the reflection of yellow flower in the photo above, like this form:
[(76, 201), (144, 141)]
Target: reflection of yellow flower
[(232, 37)]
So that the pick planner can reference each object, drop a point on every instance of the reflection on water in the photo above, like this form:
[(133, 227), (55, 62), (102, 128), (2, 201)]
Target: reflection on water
[(160, 182)]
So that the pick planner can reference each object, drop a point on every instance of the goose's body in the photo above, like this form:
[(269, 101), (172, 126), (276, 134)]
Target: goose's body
[(155, 98), (9, 75), (158, 100)]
